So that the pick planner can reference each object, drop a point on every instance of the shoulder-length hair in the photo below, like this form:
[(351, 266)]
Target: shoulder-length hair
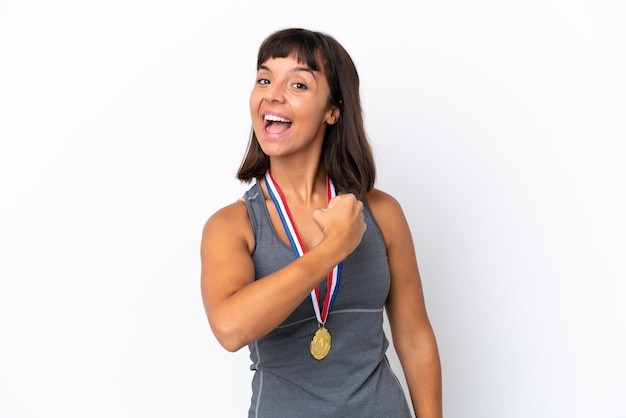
[(346, 152)]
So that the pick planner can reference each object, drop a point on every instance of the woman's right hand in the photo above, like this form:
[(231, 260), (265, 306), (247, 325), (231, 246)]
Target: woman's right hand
[(342, 223)]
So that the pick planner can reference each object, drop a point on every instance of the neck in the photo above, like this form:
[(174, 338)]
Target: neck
[(301, 183)]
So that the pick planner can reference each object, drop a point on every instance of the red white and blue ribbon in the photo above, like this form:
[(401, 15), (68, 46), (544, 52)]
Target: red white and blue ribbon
[(297, 245)]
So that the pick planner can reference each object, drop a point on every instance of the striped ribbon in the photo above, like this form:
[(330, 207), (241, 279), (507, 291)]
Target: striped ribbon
[(297, 245)]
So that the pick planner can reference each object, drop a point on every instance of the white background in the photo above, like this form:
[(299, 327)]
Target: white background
[(497, 125)]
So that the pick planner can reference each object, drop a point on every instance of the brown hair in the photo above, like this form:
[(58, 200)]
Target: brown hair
[(346, 152)]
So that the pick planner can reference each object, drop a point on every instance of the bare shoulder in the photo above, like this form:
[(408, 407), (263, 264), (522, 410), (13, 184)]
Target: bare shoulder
[(230, 223), (388, 213), (384, 206), (384, 200)]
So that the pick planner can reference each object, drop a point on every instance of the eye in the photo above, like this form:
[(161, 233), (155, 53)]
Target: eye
[(299, 86), (262, 81)]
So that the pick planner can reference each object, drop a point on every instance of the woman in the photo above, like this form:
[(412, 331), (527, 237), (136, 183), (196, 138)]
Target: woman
[(301, 268)]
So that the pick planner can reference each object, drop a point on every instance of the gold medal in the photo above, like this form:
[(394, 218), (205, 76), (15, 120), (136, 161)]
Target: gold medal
[(320, 345)]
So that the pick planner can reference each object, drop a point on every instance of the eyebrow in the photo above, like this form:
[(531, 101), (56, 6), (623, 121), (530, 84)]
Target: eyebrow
[(294, 70)]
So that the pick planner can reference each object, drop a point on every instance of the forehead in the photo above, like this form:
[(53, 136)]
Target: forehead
[(289, 64), (308, 56)]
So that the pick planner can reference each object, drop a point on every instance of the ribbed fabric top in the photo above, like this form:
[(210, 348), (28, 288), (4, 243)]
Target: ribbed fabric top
[(355, 379)]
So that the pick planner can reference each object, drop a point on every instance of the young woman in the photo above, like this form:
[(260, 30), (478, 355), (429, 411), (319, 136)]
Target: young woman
[(301, 268)]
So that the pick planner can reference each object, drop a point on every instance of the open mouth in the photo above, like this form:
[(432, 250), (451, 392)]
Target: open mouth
[(276, 125)]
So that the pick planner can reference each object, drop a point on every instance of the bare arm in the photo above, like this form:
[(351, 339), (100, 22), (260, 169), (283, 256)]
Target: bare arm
[(413, 336), (241, 310)]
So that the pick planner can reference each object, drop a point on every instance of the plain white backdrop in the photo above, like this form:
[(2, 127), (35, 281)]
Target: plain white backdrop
[(499, 127)]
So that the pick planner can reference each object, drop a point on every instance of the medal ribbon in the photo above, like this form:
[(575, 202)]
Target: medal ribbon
[(298, 246)]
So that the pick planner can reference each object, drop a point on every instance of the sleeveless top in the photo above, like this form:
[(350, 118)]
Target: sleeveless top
[(355, 378)]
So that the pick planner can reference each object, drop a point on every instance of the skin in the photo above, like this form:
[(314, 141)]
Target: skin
[(241, 310)]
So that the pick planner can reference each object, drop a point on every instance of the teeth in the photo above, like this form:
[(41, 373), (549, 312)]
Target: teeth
[(276, 119)]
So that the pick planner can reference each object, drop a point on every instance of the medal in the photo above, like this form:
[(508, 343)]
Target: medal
[(321, 342)]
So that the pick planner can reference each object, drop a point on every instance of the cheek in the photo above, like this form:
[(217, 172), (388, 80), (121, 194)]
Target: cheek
[(253, 105), (253, 100)]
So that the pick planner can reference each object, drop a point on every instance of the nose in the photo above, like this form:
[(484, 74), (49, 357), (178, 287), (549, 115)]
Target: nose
[(274, 93)]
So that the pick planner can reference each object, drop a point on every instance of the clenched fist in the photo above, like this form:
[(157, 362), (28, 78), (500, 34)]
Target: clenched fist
[(342, 222)]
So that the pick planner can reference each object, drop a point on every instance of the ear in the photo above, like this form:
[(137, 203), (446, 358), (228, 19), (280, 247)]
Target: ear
[(332, 116)]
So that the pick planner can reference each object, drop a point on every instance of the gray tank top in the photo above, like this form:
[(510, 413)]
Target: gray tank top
[(355, 379)]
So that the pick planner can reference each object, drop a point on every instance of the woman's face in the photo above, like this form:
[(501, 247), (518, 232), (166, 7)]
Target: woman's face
[(289, 107)]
